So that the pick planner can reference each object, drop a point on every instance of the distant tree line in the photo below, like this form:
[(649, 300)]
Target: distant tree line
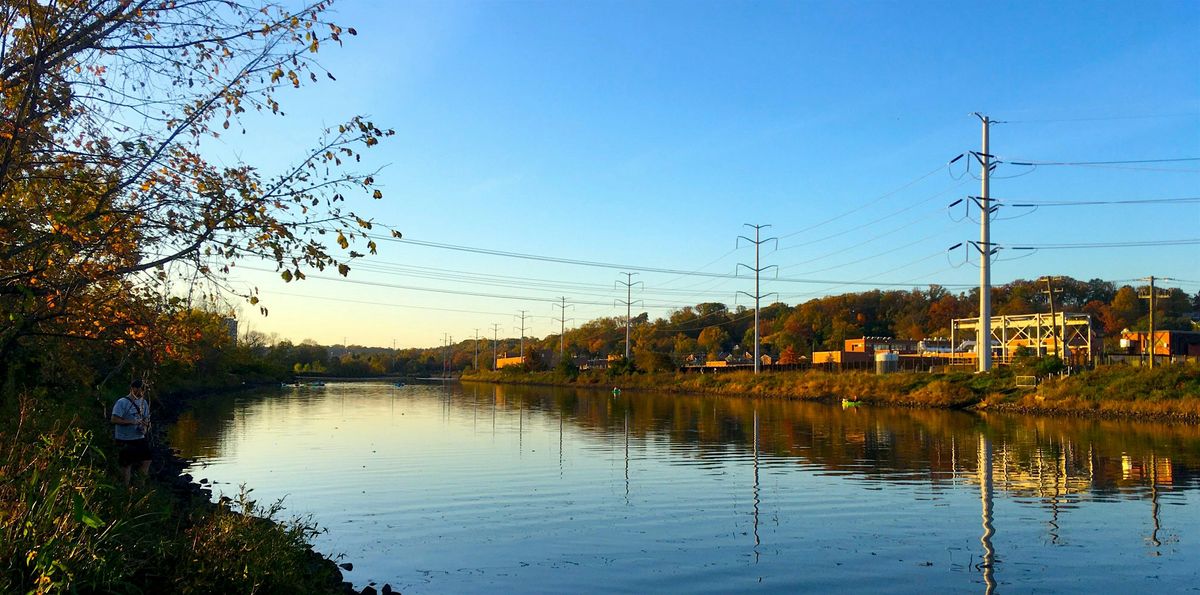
[(713, 328)]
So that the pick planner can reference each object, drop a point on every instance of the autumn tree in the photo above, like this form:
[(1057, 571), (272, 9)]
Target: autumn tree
[(107, 196), (712, 339)]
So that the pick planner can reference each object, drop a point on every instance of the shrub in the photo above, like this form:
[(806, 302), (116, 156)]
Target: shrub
[(244, 548), (53, 530)]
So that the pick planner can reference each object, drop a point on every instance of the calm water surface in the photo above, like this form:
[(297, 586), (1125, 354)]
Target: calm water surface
[(481, 488)]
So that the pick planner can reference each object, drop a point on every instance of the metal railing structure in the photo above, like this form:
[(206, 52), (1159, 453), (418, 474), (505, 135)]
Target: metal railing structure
[(1067, 332)]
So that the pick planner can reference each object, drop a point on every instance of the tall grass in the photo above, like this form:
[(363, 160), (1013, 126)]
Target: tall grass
[(56, 529), (1171, 391), (902, 388), (68, 525)]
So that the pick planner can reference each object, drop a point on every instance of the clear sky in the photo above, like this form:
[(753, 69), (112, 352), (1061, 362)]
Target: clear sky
[(645, 134)]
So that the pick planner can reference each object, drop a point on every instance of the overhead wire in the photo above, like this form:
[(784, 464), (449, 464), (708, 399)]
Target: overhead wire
[(1152, 243), (877, 220), (871, 202), (1074, 203), (1099, 118), (627, 267)]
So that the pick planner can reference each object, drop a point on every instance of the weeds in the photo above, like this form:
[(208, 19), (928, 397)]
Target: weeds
[(66, 524)]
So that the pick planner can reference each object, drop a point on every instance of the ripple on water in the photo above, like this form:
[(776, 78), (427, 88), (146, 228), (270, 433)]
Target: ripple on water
[(434, 489)]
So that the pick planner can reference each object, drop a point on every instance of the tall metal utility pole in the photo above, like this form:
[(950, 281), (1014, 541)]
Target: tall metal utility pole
[(1153, 297), (1050, 291), (476, 350), (562, 327), (495, 339), (984, 339), (445, 348), (758, 242), (628, 301), (523, 312)]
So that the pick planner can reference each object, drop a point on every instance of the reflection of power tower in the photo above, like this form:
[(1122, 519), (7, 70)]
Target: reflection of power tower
[(758, 242), (757, 541), (987, 565), (1153, 296), (628, 301)]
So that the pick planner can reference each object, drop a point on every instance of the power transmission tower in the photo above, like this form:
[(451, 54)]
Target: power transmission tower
[(445, 350), (495, 339), (1050, 291), (758, 242), (628, 301), (1153, 296), (477, 350), (562, 320), (523, 312), (984, 343)]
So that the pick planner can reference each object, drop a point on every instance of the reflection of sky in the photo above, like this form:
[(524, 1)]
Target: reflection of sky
[(466, 489)]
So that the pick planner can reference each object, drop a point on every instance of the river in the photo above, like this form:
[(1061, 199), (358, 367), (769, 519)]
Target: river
[(472, 488)]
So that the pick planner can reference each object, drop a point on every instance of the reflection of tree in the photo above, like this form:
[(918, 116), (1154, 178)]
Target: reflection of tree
[(1053, 460)]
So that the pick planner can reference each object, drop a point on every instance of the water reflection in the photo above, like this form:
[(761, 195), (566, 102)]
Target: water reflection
[(858, 483), (988, 565)]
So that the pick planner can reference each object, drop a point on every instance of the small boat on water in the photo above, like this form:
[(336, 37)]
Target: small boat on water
[(850, 402), (316, 383), (398, 384)]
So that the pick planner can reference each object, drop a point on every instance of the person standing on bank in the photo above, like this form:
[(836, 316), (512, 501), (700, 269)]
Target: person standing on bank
[(131, 421)]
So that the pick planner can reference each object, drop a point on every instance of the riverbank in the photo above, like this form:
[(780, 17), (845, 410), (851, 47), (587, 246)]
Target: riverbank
[(68, 524), (1166, 392)]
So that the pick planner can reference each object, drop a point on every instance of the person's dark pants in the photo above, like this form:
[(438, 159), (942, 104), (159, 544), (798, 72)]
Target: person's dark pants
[(133, 452)]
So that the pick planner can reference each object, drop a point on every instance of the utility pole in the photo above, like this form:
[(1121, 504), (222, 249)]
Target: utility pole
[(523, 312), (445, 348), (477, 350), (1153, 297), (984, 338), (758, 242), (1050, 291), (495, 339), (628, 283), (562, 328)]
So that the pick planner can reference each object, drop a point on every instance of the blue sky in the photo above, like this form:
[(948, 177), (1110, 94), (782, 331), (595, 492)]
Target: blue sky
[(647, 133)]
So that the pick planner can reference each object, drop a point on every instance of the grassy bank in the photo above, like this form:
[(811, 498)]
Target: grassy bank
[(1166, 392), (68, 524), (1169, 392), (929, 390)]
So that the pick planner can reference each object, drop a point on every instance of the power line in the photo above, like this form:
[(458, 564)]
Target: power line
[(872, 201), (643, 269), (1117, 162), (1074, 203), (874, 221), (1181, 242), (1099, 118)]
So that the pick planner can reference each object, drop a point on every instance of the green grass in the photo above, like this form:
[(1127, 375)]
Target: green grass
[(67, 523)]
